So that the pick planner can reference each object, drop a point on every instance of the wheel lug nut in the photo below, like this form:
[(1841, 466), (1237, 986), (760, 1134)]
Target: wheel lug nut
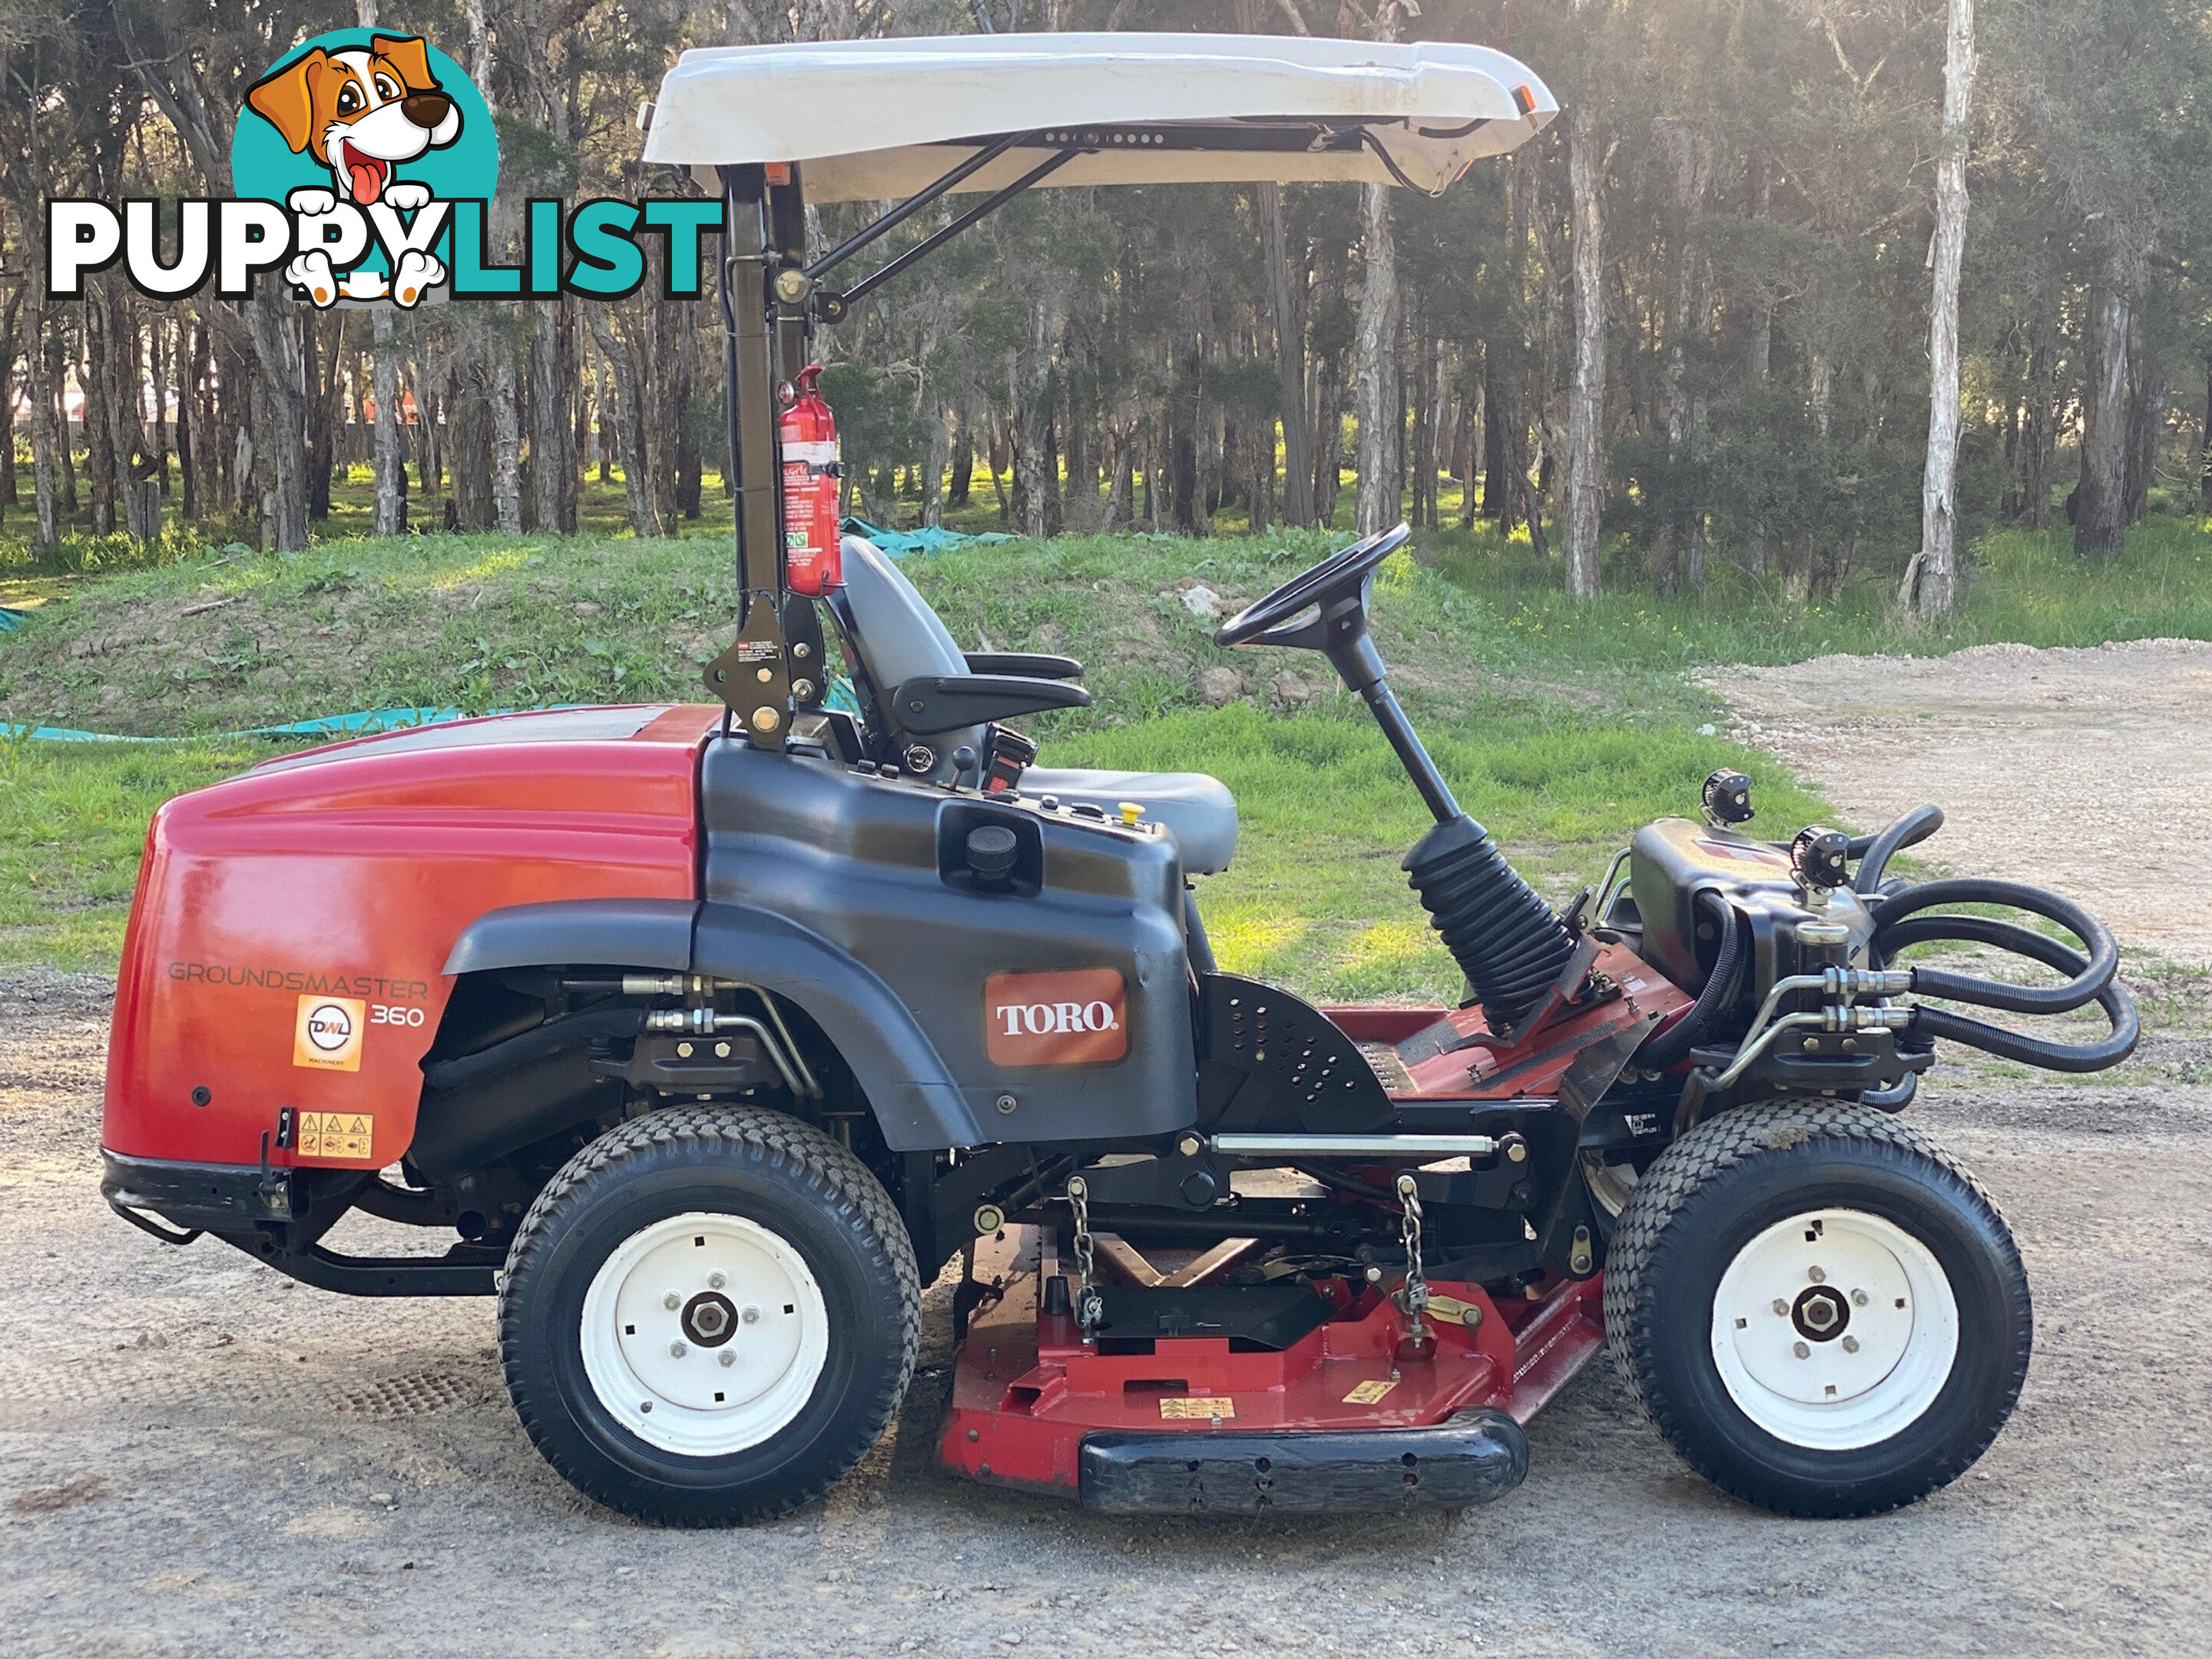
[(1858, 1298), (716, 1281), (1851, 1345), (725, 1357), (751, 1316), (1818, 1276), (676, 1351), (1781, 1307), (1801, 1350), (671, 1302)]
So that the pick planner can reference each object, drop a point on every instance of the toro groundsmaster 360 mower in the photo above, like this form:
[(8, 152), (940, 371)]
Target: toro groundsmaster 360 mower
[(705, 1033)]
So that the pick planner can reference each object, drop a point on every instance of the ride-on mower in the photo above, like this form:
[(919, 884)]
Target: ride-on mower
[(705, 1033)]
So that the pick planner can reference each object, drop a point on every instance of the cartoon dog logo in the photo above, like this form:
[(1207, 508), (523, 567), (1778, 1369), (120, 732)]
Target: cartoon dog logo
[(361, 113)]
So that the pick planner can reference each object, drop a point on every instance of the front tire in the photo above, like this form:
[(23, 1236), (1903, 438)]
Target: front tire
[(709, 1315), (1819, 1309)]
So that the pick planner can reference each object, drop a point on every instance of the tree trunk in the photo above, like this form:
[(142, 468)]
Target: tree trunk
[(9, 338), (1288, 297), (2204, 464), (2146, 422), (2038, 430), (932, 469), (552, 467), (1036, 467), (1762, 352), (963, 466), (2100, 507), (280, 448), (1936, 566), (630, 424), (1585, 457), (183, 364), (45, 443), (1375, 365), (390, 482)]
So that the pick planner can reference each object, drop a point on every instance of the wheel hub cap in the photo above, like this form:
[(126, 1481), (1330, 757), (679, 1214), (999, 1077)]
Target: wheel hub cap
[(1834, 1330), (704, 1334)]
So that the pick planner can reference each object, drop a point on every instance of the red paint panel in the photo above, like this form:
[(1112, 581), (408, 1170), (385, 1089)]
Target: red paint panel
[(350, 877)]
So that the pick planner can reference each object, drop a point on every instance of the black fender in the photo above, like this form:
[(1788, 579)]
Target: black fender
[(626, 932), (918, 1107)]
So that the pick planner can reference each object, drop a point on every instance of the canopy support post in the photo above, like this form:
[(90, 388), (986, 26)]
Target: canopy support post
[(752, 677)]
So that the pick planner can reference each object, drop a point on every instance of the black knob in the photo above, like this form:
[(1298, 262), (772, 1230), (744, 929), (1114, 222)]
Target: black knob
[(991, 856), (1820, 858), (1728, 797)]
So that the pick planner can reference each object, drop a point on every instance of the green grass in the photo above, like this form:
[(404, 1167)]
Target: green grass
[(72, 820), (1560, 727)]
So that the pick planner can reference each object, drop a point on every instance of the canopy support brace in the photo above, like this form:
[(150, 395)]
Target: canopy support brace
[(912, 205), (938, 238)]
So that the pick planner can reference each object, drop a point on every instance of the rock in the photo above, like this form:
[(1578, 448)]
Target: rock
[(1290, 689), (1202, 601), (586, 608), (1217, 686)]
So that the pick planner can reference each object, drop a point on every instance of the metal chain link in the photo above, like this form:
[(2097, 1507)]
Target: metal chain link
[(1089, 1305), (1414, 1297)]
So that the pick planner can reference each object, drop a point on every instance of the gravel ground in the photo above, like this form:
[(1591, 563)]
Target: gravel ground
[(2104, 746), (199, 1457)]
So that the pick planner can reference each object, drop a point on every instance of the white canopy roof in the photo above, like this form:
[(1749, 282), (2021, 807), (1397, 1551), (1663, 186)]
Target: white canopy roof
[(876, 119)]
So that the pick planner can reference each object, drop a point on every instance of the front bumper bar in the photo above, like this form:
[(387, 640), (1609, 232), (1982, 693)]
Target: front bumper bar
[(1473, 1457)]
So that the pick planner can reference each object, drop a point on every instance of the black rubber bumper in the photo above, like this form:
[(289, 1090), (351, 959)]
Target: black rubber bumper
[(1475, 1457)]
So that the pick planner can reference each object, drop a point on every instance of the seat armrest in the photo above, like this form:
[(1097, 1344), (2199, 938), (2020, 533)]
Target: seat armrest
[(929, 704), (1032, 664)]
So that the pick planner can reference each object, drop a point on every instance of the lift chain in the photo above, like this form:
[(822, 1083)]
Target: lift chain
[(1414, 1297), (1090, 1307)]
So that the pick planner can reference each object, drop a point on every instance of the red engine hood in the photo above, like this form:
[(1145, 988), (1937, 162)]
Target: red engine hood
[(329, 886)]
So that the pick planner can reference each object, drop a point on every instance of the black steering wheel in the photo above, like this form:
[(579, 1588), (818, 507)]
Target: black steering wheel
[(1337, 584)]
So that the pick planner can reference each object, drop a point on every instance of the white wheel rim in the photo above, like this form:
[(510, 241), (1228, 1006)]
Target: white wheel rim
[(659, 1369), (1834, 1330)]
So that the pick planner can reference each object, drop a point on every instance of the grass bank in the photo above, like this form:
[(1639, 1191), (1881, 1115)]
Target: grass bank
[(1560, 726)]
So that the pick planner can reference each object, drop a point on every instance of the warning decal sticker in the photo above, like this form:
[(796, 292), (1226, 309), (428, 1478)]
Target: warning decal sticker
[(1368, 1392), (327, 1034), (1200, 1406), (337, 1134)]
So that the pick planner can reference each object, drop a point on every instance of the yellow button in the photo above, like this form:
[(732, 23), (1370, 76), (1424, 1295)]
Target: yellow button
[(1132, 810)]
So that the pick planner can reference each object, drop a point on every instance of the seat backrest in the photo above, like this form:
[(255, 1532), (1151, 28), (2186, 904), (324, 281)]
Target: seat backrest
[(896, 635)]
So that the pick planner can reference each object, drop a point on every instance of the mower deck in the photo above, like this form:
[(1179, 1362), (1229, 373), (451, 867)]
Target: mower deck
[(1353, 1413)]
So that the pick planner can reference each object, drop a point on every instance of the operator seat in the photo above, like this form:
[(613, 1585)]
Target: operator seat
[(893, 636)]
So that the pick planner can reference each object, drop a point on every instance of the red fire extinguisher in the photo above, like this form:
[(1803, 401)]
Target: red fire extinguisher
[(813, 561)]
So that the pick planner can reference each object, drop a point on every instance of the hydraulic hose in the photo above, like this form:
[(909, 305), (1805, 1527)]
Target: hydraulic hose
[(1873, 852), (2091, 974), (2109, 997), (1674, 1044)]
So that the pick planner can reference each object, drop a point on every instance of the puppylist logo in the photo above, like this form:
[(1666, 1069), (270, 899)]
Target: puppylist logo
[(365, 163)]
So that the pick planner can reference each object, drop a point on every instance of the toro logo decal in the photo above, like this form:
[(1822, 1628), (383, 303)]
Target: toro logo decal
[(1073, 1018), (327, 1034)]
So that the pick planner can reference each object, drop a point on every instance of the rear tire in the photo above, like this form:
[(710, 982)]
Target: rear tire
[(797, 1312), (1819, 1309)]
